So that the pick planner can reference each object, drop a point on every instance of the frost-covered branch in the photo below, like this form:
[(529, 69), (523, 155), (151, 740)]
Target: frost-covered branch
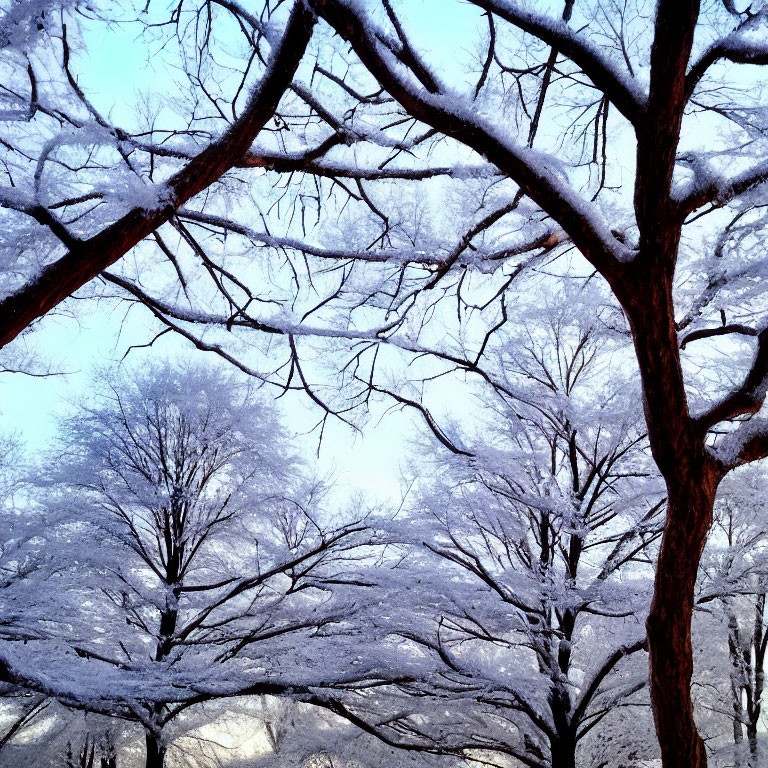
[(87, 259), (747, 398), (618, 86), (448, 113), (744, 45)]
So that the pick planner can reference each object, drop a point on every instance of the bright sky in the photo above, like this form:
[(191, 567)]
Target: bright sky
[(31, 406)]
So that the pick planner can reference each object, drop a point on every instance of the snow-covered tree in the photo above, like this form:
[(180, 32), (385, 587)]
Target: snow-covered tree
[(22, 569), (15, 562), (301, 736), (531, 576), (731, 597), (194, 557), (19, 709), (343, 170)]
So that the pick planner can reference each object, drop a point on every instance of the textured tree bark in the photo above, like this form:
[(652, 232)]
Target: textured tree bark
[(677, 443)]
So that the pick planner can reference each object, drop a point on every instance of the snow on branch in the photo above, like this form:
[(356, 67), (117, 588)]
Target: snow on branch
[(278, 325), (548, 238), (86, 259), (747, 44), (448, 112), (286, 163), (707, 186), (722, 330), (746, 399), (747, 443), (622, 90), (590, 689)]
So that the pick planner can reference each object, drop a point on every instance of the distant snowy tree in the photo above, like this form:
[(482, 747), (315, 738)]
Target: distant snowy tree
[(22, 568), (732, 598), (92, 754), (194, 559), (15, 563), (299, 736), (536, 573), (61, 736), (19, 709)]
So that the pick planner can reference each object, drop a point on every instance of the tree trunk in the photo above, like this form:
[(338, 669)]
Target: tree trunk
[(692, 476), (562, 745), (756, 694), (155, 751), (737, 685), (689, 517), (563, 753), (754, 746)]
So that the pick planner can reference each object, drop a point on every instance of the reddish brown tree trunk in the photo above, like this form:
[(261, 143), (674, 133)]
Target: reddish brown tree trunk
[(692, 477), (669, 622)]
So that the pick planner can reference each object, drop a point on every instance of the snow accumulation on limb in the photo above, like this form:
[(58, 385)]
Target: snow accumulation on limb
[(460, 256), (285, 163), (747, 44), (623, 91), (591, 688), (535, 172), (279, 325), (85, 260), (749, 440), (707, 186), (746, 399), (721, 330), (747, 443)]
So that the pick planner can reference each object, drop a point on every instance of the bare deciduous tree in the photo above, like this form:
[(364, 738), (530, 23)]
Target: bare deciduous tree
[(195, 559), (630, 132), (530, 573)]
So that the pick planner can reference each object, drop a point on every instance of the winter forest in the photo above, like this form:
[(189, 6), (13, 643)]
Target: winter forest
[(382, 383)]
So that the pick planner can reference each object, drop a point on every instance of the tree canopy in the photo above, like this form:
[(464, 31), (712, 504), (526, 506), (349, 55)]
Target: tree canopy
[(335, 199)]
